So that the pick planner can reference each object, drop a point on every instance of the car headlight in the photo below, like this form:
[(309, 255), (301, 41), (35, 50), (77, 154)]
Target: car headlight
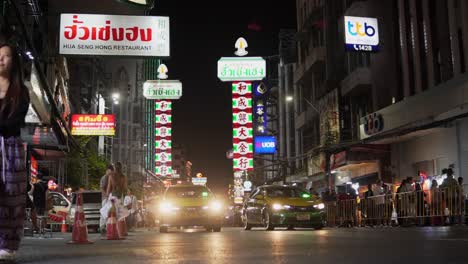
[(165, 207), (319, 206), (277, 207), (216, 206)]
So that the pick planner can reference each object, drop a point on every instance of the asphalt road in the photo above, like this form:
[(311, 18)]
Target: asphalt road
[(234, 245)]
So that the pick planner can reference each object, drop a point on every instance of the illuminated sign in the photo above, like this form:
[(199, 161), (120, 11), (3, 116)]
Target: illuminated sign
[(265, 144), (241, 69), (361, 33), (93, 125), (85, 34), (260, 113), (242, 126), (162, 89), (199, 181), (163, 138)]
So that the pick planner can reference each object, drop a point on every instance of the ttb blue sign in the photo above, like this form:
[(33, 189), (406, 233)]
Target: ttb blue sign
[(265, 144)]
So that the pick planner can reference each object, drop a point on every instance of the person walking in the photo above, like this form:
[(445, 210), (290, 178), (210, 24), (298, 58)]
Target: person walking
[(449, 190), (131, 203), (117, 186), (103, 183), (14, 104)]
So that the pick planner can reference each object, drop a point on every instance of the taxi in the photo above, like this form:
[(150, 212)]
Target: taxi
[(190, 205), (271, 206)]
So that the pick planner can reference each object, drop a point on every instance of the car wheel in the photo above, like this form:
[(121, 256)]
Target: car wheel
[(247, 226), (290, 227), (216, 229), (318, 227), (163, 229), (266, 219), (208, 228)]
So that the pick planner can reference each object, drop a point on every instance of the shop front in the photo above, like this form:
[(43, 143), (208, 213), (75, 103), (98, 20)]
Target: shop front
[(360, 165)]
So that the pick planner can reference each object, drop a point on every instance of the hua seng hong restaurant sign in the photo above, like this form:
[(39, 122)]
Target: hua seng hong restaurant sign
[(83, 34), (93, 125)]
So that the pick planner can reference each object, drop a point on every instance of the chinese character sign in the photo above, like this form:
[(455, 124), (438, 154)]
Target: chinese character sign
[(242, 126), (162, 142), (260, 114)]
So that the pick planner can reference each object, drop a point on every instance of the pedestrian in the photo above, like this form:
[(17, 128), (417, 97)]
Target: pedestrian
[(117, 186), (130, 202), (436, 204), (379, 201), (367, 205), (420, 204), (39, 196), (103, 183), (461, 200), (450, 189), (14, 104)]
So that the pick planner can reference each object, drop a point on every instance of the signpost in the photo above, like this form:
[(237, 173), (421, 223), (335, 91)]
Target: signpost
[(162, 91), (241, 71)]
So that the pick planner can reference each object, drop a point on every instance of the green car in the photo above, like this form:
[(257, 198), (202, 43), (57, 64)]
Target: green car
[(271, 206)]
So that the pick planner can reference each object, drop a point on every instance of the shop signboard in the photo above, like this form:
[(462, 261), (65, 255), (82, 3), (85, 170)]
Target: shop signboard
[(93, 125), (162, 89), (361, 33), (265, 144), (232, 69), (92, 34)]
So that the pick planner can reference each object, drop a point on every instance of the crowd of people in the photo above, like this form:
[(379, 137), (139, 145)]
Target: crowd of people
[(421, 203)]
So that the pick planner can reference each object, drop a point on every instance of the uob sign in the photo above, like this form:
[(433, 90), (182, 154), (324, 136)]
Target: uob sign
[(361, 33)]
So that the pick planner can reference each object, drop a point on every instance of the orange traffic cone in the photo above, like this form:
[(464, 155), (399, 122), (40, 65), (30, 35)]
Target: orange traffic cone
[(80, 230), (64, 226), (111, 226)]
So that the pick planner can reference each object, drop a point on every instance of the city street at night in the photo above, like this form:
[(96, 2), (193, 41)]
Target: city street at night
[(234, 245), (296, 131)]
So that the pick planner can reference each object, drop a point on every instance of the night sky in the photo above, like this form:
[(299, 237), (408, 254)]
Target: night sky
[(201, 33)]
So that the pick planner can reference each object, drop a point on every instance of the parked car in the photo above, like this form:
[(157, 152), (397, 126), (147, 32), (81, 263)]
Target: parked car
[(92, 203), (60, 211)]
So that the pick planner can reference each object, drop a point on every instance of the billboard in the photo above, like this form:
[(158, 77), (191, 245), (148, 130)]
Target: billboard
[(265, 144), (85, 34), (93, 125), (361, 33)]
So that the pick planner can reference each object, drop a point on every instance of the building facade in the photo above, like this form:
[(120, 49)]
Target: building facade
[(389, 114)]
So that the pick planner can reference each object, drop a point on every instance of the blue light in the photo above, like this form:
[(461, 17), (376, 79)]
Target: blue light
[(265, 144)]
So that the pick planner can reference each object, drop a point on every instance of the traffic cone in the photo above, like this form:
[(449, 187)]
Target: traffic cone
[(64, 226), (80, 230), (111, 226)]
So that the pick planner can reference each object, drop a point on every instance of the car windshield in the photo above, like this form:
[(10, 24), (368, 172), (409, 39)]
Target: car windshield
[(187, 192), (284, 192)]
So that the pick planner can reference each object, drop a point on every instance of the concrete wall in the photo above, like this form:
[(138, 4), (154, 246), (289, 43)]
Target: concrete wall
[(439, 148)]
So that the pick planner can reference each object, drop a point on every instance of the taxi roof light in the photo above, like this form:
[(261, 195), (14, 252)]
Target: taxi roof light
[(305, 195), (205, 194)]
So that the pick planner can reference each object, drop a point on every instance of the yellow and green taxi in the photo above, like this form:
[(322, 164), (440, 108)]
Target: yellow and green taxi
[(190, 205), (271, 206)]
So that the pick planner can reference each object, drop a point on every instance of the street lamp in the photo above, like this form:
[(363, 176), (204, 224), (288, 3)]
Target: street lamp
[(289, 98)]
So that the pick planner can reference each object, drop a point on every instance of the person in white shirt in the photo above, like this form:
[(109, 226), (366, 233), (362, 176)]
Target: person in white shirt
[(131, 203)]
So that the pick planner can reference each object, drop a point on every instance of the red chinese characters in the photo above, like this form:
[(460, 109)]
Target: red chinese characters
[(79, 30)]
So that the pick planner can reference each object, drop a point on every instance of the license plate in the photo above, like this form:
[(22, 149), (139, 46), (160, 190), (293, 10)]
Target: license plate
[(302, 217)]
